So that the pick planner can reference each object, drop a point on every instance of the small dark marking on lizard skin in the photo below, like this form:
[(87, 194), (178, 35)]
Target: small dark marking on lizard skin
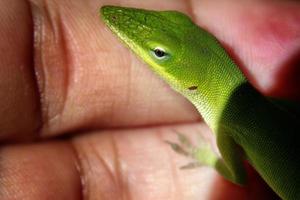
[(194, 87)]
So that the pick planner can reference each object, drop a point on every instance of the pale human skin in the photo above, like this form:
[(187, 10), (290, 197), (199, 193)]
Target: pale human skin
[(104, 116)]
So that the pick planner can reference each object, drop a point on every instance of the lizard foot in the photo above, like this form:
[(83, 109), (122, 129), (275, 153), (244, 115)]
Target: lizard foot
[(201, 155)]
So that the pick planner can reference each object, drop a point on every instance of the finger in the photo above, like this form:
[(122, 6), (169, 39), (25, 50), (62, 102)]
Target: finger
[(19, 110), (112, 89), (262, 36), (77, 61), (93, 96), (40, 171), (101, 84), (87, 80), (131, 164)]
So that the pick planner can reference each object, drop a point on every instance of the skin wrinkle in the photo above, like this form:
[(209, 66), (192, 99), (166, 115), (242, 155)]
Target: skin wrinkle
[(84, 180), (58, 35), (80, 171), (78, 167), (45, 75), (104, 165), (38, 58), (118, 178), (49, 26), (67, 61), (173, 168), (39, 73), (33, 71)]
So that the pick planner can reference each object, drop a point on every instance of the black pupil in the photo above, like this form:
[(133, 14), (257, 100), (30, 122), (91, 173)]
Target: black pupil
[(159, 53)]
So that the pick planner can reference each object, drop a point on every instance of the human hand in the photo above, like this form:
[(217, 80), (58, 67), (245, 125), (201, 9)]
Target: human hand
[(100, 115)]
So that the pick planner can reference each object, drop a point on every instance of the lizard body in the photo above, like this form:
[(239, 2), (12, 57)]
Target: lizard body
[(193, 63)]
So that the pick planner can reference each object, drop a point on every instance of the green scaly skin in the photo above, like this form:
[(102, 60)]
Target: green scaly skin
[(193, 63)]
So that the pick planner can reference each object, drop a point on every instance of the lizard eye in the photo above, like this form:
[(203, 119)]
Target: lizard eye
[(159, 53)]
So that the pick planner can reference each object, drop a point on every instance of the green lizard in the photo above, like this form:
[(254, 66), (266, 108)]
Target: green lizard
[(193, 63)]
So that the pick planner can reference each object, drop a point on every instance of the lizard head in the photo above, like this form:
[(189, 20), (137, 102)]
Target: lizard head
[(171, 44), (186, 56)]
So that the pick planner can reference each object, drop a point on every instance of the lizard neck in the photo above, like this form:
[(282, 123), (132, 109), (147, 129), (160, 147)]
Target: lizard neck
[(213, 95)]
